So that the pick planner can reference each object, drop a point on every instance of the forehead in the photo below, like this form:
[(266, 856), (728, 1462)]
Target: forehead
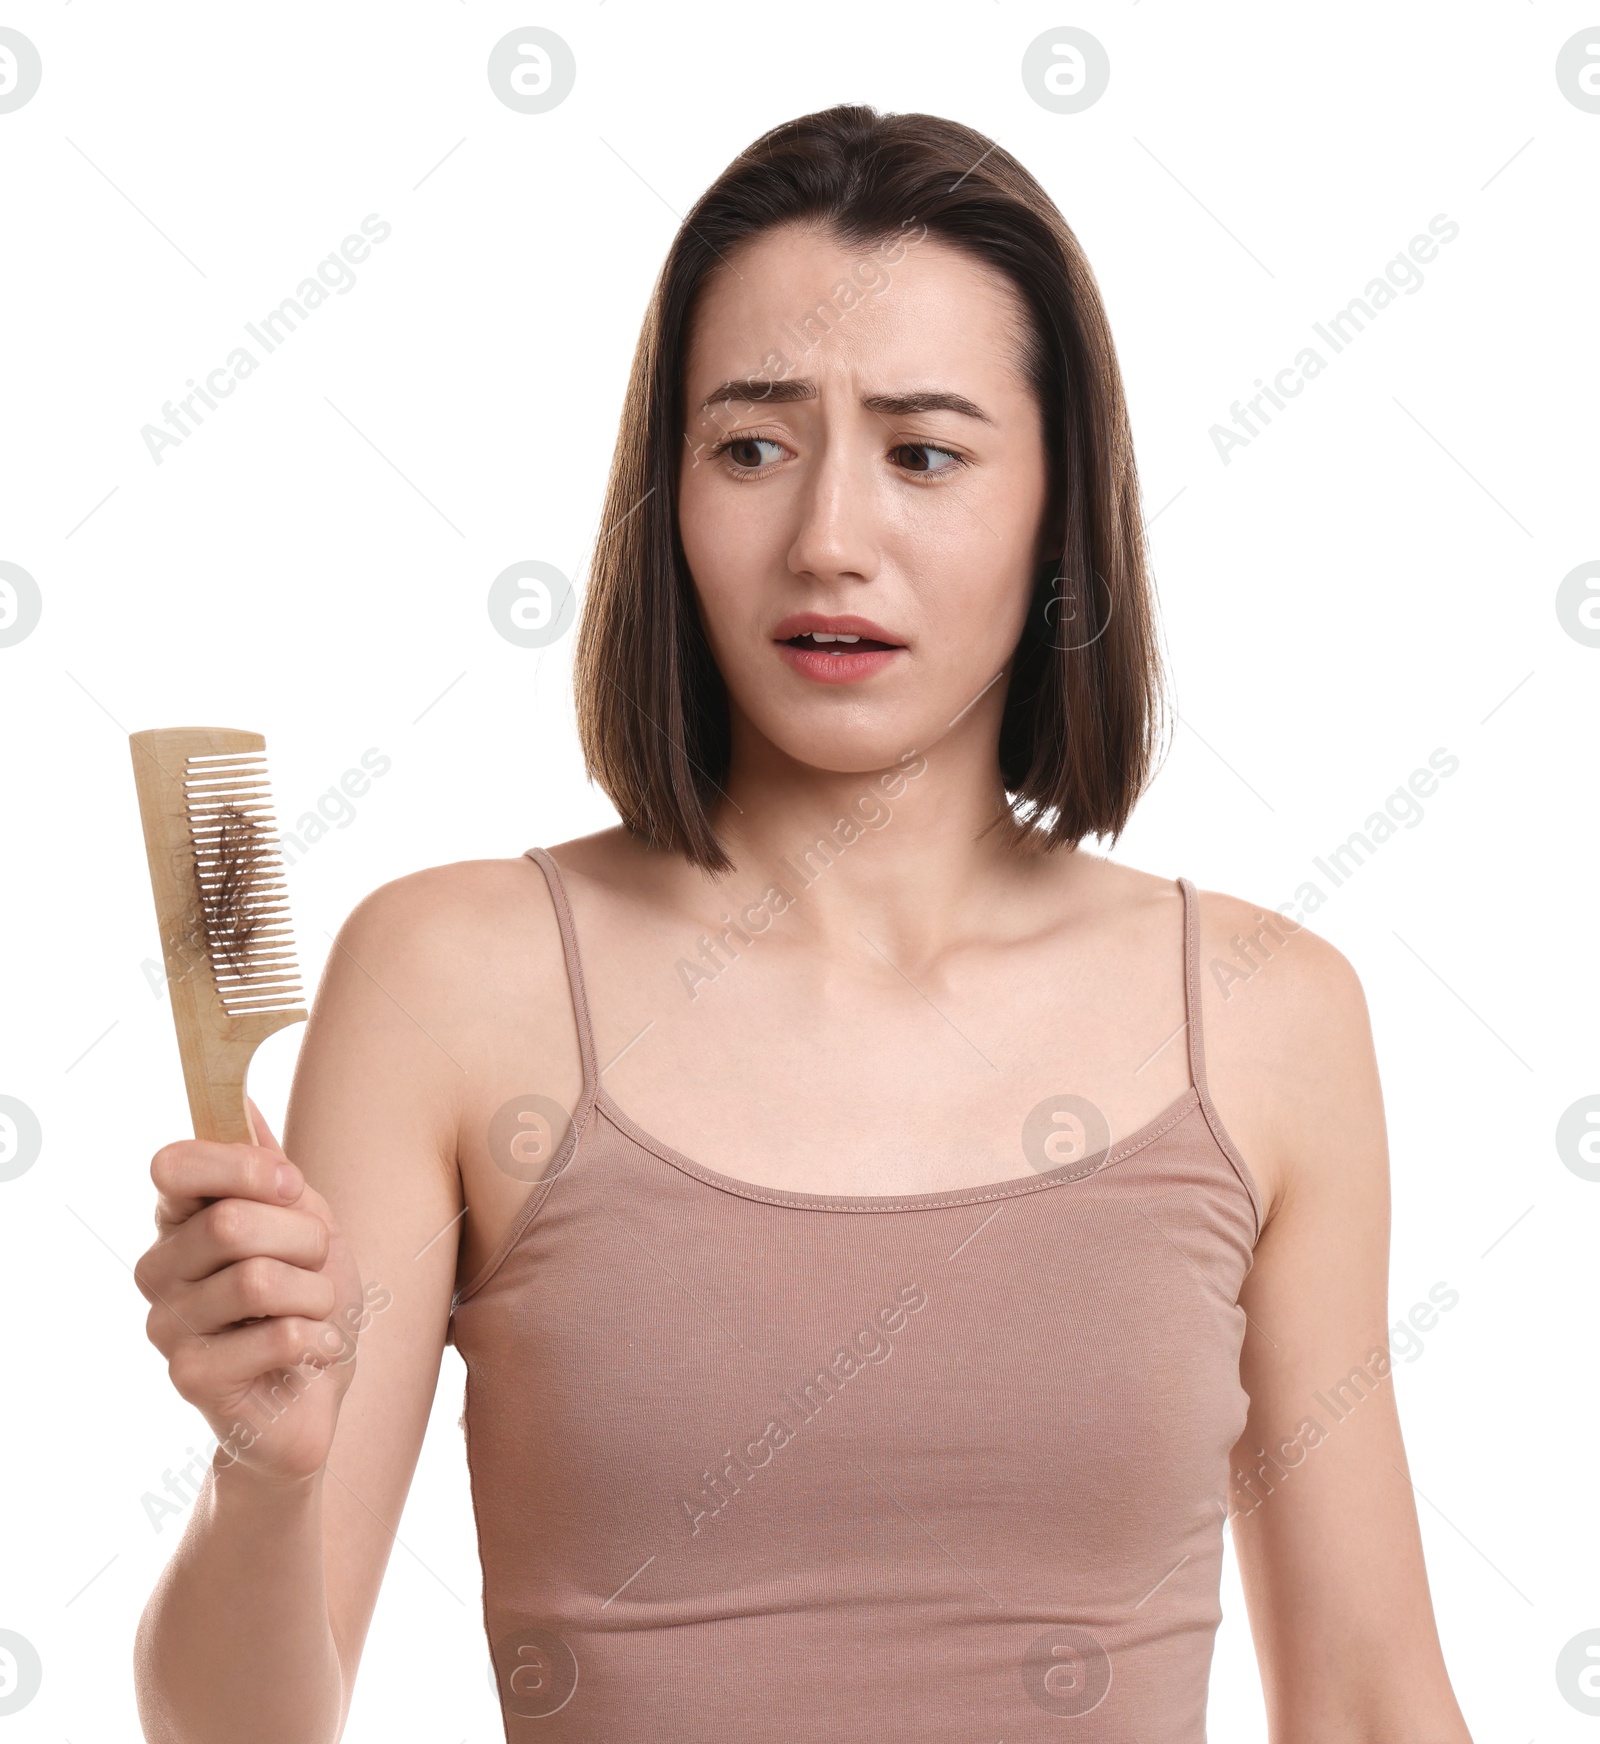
[(797, 300)]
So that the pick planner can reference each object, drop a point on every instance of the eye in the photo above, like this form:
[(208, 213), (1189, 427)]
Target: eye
[(750, 453), (925, 457)]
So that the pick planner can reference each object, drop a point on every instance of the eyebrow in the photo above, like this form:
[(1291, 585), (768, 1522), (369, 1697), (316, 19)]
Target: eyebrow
[(754, 390)]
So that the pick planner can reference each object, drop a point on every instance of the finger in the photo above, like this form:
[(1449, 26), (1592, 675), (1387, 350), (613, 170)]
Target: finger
[(239, 1229), (217, 1368), (263, 1132), (191, 1172), (257, 1288)]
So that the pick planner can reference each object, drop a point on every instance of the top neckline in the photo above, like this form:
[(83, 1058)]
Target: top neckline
[(1009, 1188), (594, 1096)]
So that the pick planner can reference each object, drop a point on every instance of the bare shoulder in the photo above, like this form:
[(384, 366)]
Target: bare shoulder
[(438, 907), (625, 868), (450, 961), (473, 950), (1240, 941), (1288, 1044)]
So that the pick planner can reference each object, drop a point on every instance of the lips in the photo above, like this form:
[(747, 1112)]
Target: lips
[(834, 630), (834, 648)]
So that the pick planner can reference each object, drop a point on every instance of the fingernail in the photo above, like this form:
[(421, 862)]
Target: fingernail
[(288, 1180)]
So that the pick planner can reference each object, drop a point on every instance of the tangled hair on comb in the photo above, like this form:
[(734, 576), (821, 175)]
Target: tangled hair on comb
[(242, 851), (241, 904)]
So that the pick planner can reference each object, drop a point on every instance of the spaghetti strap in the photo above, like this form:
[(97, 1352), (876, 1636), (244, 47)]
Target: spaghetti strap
[(1197, 1052), (580, 997), (1191, 986)]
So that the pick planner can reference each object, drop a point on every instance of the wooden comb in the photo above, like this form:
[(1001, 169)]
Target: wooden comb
[(221, 902)]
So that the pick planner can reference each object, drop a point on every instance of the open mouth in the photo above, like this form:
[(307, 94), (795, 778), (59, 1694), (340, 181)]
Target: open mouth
[(824, 642)]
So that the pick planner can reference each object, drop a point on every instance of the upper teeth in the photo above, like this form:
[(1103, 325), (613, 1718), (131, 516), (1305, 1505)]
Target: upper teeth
[(823, 636)]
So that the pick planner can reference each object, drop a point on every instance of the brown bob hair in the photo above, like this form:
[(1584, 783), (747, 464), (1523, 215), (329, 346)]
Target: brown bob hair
[(1080, 727)]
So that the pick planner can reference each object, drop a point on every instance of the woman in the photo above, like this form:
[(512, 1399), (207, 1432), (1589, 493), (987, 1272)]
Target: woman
[(885, 1243)]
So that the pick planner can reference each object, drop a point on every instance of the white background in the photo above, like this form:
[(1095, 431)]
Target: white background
[(1372, 578)]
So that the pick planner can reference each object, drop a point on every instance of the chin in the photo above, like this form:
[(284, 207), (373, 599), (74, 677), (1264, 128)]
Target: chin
[(856, 751)]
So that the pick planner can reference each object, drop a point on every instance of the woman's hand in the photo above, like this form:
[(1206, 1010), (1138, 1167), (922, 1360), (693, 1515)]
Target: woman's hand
[(255, 1301)]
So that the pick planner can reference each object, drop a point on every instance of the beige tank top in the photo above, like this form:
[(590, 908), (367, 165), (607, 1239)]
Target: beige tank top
[(760, 1467)]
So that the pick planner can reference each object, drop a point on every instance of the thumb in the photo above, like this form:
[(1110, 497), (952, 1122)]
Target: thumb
[(263, 1132)]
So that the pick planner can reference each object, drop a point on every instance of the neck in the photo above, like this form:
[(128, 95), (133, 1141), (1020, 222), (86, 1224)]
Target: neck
[(913, 854)]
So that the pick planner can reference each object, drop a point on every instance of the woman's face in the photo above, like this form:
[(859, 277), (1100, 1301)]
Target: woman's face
[(889, 483)]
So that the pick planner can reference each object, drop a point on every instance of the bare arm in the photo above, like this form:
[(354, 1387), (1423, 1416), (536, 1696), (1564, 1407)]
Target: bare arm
[(283, 1556), (1325, 1524)]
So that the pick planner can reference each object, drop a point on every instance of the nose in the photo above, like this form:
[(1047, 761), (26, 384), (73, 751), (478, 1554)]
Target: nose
[(837, 539)]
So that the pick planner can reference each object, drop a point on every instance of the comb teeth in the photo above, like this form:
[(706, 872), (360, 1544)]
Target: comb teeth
[(242, 892)]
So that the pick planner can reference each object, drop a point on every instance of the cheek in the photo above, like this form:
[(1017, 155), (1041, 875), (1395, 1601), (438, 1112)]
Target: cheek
[(978, 567), (975, 611), (726, 553), (699, 530), (693, 517)]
